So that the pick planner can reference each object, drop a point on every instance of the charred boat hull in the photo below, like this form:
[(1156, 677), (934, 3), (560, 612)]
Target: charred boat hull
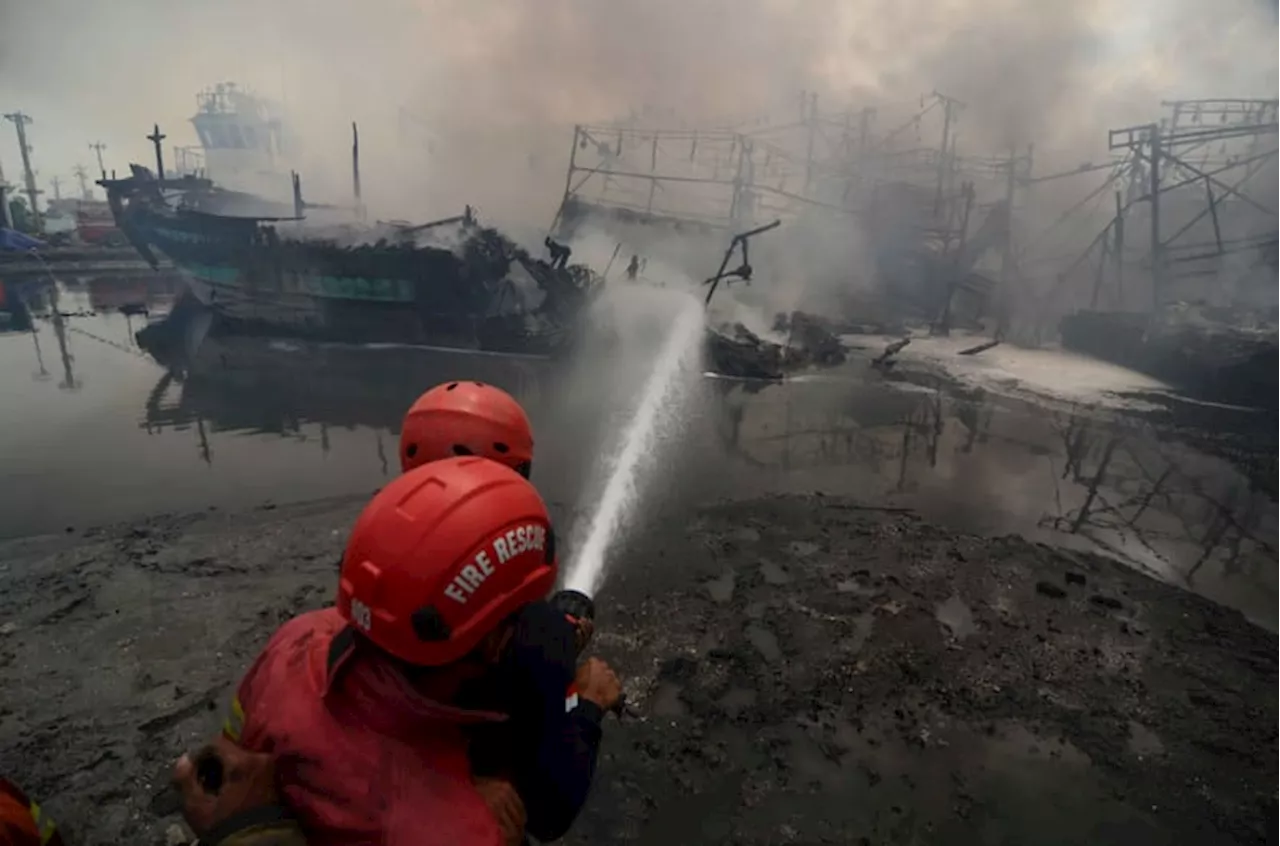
[(388, 290), (1214, 363)]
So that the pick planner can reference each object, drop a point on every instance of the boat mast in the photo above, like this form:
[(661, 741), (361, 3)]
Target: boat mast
[(355, 168), (155, 138)]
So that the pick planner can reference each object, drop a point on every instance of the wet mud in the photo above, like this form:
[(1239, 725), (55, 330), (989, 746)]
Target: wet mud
[(890, 668), (814, 671), (805, 670)]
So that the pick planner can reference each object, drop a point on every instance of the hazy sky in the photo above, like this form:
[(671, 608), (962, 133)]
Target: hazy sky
[(504, 78)]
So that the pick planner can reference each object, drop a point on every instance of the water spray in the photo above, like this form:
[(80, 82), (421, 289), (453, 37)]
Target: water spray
[(584, 574), (622, 490)]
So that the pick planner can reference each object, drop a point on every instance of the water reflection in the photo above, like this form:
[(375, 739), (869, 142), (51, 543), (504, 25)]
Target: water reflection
[(233, 421), (966, 457), (303, 392), (1110, 483)]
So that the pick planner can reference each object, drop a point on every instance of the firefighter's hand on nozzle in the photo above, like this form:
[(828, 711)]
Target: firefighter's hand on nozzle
[(583, 631), (597, 682), (221, 781)]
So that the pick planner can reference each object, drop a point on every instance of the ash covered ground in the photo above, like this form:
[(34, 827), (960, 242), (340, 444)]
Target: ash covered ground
[(806, 670)]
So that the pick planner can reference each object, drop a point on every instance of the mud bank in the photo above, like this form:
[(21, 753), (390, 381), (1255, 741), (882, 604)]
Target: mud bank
[(806, 671)]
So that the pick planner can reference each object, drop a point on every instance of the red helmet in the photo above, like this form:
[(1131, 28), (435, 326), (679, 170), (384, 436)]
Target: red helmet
[(467, 418), (442, 555)]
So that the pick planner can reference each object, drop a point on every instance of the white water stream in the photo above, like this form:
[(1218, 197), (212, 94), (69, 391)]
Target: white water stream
[(658, 404)]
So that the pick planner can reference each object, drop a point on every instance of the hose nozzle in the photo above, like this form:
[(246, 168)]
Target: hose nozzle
[(574, 604)]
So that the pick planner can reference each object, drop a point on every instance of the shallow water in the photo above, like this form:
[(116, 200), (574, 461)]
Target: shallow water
[(93, 430)]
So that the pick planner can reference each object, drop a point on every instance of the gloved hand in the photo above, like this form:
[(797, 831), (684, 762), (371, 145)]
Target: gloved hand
[(583, 633), (243, 797), (507, 807), (597, 682)]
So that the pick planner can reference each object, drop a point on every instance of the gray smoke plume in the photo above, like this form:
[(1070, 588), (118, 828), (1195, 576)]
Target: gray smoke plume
[(473, 100)]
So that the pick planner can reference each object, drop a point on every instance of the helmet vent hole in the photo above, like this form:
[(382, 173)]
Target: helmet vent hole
[(411, 450), (459, 449), (479, 384), (429, 626), (501, 447), (452, 386)]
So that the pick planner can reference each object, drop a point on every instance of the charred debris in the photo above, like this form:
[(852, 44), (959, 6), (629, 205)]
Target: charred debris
[(937, 224), (1178, 282)]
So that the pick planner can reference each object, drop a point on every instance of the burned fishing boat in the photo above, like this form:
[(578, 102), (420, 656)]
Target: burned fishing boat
[(261, 269), (269, 267)]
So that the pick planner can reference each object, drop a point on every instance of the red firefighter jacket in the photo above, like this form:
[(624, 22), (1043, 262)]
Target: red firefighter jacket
[(22, 823), (362, 757)]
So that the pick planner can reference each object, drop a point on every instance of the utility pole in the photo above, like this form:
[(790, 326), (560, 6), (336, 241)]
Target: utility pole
[(57, 188), (20, 122), (864, 129), (155, 138), (1117, 252), (1135, 138), (812, 121), (83, 176), (1007, 247), (950, 106), (1157, 249), (98, 147)]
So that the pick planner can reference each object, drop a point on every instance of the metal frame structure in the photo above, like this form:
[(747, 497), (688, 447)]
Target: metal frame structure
[(1165, 163), (752, 171)]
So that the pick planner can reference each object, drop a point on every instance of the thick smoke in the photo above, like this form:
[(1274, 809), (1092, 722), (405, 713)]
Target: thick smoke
[(472, 101)]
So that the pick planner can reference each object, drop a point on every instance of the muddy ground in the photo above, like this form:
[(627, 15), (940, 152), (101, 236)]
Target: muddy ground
[(806, 671)]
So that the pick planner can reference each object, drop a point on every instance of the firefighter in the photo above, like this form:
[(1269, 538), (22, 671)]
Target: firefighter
[(548, 748), (363, 706), (22, 822), (467, 418)]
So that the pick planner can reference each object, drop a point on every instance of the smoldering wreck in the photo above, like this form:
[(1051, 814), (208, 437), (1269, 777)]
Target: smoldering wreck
[(946, 234), (265, 267), (1178, 283)]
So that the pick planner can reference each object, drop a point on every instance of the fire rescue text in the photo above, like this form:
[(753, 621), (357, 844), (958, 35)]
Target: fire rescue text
[(503, 548)]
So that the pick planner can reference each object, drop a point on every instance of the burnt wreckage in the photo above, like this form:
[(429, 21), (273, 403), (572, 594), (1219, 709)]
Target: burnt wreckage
[(1183, 277), (451, 282), (918, 213)]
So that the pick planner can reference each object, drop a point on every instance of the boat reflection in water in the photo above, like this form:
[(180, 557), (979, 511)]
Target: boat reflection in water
[(1072, 475), (267, 386)]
